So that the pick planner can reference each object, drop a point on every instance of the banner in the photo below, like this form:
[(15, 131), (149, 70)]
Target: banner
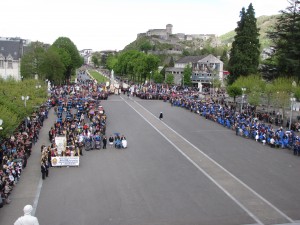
[(65, 161), (61, 143)]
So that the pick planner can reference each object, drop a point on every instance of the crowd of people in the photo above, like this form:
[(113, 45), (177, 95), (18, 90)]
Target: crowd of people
[(16, 149), (246, 122)]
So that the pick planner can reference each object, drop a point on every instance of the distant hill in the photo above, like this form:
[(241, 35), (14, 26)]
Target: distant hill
[(170, 48), (264, 23)]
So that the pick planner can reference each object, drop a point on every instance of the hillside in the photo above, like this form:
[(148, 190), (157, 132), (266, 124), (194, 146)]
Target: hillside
[(173, 47), (264, 23)]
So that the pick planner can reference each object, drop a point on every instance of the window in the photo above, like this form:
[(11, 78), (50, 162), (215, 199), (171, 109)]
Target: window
[(9, 64)]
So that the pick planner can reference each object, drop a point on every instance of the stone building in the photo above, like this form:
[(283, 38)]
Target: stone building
[(11, 51), (205, 68)]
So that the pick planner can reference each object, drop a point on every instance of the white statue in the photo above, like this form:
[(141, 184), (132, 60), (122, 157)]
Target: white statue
[(27, 219)]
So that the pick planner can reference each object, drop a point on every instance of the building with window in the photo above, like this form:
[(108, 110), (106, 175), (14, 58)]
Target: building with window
[(11, 51), (205, 68)]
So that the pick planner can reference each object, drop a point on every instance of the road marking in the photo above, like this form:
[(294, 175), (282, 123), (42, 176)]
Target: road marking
[(257, 207), (37, 196)]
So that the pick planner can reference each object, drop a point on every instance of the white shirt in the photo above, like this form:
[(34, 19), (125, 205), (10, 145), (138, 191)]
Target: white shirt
[(27, 220)]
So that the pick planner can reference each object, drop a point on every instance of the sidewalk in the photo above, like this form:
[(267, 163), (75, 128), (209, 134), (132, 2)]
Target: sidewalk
[(27, 189)]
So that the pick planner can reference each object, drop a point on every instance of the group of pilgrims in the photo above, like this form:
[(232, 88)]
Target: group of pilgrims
[(247, 122)]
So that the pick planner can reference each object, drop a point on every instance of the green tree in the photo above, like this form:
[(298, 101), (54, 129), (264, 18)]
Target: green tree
[(98, 59), (234, 91), (53, 67), (169, 79), (32, 60), (245, 51), (95, 61), (111, 62), (187, 73), (70, 48), (158, 77), (286, 37), (224, 59), (171, 63), (145, 46)]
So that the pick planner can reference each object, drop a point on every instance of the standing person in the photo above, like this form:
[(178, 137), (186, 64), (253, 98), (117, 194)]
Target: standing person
[(111, 141), (27, 219), (104, 142), (47, 167), (43, 170), (161, 116)]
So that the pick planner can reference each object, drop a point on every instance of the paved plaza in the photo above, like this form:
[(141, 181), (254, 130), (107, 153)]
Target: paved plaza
[(183, 170)]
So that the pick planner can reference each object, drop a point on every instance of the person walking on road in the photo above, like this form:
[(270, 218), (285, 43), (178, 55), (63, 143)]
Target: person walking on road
[(161, 116)]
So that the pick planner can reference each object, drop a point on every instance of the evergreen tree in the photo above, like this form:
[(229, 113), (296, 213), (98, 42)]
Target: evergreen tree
[(245, 51), (286, 38)]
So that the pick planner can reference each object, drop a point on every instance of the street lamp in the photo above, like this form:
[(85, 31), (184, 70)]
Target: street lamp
[(25, 99), (38, 86), (243, 96), (1, 122), (291, 114)]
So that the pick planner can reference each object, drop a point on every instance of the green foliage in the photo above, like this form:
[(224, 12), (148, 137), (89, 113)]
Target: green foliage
[(187, 73), (53, 67), (100, 78), (169, 79), (111, 62), (145, 46), (245, 51), (297, 93), (12, 108), (136, 64), (265, 24), (32, 60), (158, 78), (234, 91), (96, 61), (70, 48), (224, 59), (286, 37)]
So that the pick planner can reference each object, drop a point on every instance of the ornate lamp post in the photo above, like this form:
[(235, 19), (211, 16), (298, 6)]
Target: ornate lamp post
[(25, 99), (243, 96), (1, 122), (291, 114)]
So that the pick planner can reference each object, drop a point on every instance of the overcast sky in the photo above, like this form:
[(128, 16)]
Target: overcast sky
[(112, 24)]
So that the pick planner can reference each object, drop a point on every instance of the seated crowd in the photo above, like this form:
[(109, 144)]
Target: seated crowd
[(245, 123)]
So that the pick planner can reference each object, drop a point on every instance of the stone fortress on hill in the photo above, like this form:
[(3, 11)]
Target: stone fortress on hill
[(166, 34)]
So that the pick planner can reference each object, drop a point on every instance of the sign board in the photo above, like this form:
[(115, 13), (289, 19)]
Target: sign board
[(65, 161), (61, 143)]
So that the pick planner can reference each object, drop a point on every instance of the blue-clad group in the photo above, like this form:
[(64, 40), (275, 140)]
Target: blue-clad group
[(245, 123)]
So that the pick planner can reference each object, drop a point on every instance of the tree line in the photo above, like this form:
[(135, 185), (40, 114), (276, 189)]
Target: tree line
[(56, 62)]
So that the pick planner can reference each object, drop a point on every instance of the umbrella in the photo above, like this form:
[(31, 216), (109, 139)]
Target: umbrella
[(117, 134)]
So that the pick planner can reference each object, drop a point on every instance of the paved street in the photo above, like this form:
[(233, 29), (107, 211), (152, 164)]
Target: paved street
[(183, 170)]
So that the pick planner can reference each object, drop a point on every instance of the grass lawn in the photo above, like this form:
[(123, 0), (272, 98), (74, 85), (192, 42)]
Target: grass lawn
[(100, 78)]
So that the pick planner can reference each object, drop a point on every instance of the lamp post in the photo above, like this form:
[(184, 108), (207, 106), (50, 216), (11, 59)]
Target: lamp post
[(1, 122), (243, 96), (25, 99), (150, 76), (291, 114)]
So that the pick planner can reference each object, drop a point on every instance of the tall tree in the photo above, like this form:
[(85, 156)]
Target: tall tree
[(286, 37), (187, 73), (70, 48), (245, 51), (32, 60)]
